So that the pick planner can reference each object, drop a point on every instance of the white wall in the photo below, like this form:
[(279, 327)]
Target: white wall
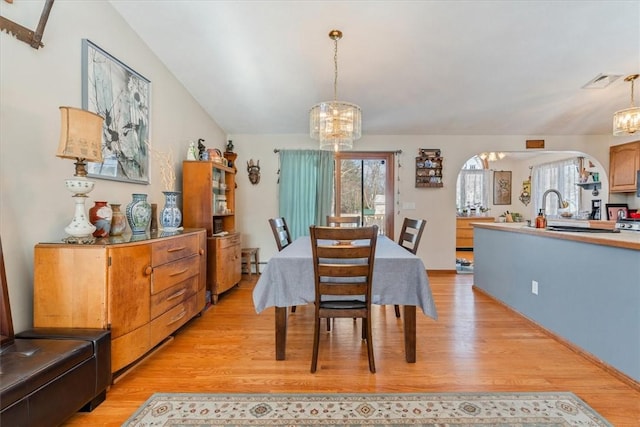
[(34, 205)]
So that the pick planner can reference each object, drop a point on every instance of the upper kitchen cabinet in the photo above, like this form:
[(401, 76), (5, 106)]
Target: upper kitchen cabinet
[(624, 164)]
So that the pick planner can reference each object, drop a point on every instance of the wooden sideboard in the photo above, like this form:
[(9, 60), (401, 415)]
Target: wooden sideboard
[(464, 229), (142, 288)]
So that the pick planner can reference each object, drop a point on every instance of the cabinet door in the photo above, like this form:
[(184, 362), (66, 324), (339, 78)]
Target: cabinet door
[(129, 288), (624, 163), (228, 263), (70, 287)]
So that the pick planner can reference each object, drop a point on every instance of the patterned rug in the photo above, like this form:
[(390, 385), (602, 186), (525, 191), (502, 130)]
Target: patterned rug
[(422, 409)]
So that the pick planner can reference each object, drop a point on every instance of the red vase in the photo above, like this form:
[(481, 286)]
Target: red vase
[(100, 216)]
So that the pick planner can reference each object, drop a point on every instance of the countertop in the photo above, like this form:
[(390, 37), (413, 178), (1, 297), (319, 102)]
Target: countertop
[(624, 239)]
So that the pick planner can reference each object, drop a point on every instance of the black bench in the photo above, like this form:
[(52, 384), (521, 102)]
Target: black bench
[(46, 375)]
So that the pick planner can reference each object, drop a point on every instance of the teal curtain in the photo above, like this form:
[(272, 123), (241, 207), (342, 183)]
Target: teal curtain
[(306, 188)]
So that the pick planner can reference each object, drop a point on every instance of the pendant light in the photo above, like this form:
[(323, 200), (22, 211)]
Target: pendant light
[(627, 121), (336, 124)]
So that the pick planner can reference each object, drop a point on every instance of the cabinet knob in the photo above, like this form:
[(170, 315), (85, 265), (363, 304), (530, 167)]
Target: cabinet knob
[(201, 251), (148, 271)]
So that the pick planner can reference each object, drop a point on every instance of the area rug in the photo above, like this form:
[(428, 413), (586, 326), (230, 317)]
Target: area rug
[(422, 409)]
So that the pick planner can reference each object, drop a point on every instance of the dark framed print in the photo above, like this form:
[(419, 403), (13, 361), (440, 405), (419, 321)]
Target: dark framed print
[(122, 96), (502, 187), (614, 208)]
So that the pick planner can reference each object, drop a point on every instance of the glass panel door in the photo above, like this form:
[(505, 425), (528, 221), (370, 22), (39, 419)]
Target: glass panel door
[(364, 188)]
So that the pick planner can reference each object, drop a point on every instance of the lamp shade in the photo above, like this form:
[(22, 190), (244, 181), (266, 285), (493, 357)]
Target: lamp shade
[(627, 121), (335, 124), (80, 135)]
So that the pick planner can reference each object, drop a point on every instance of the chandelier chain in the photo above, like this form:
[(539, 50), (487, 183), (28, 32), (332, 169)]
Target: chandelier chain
[(335, 69)]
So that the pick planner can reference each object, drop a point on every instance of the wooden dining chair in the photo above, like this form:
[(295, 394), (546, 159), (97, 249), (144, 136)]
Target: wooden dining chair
[(343, 274), (343, 221), (280, 232), (283, 237), (410, 236)]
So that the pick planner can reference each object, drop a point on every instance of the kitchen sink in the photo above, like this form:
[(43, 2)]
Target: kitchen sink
[(568, 228)]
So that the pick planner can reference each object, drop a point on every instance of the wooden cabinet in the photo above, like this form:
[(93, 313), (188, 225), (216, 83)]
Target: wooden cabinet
[(225, 267), (624, 164), (464, 230), (142, 290), (208, 190)]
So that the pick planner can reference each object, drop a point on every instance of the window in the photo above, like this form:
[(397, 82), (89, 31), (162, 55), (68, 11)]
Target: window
[(560, 175), (472, 188), (364, 187)]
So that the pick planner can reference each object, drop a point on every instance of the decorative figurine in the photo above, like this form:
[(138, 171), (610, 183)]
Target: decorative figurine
[(201, 149), (191, 151)]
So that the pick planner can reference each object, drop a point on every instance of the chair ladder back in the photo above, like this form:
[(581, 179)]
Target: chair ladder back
[(340, 221), (411, 234), (280, 232)]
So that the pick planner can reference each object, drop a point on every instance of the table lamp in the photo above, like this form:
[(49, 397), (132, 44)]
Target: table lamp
[(81, 140)]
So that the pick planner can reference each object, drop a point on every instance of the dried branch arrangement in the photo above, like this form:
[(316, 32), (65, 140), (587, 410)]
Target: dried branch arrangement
[(167, 171)]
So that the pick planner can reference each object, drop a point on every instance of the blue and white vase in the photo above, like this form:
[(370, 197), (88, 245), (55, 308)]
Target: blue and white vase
[(170, 215), (138, 213)]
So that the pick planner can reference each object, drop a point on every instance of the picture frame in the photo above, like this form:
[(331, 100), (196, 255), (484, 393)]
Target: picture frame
[(613, 208), (123, 97), (502, 187)]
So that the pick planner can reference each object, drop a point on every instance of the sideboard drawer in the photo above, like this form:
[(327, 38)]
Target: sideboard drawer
[(172, 296), (170, 321), (169, 250), (229, 241), (167, 275)]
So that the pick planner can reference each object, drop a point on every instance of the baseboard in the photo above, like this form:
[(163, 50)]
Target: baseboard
[(576, 349), (440, 272)]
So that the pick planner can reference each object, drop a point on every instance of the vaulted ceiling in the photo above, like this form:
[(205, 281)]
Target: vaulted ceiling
[(415, 67)]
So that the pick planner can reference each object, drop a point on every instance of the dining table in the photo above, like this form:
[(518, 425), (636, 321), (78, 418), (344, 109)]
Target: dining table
[(399, 278)]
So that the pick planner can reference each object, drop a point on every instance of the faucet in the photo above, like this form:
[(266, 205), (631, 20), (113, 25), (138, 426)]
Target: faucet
[(561, 203)]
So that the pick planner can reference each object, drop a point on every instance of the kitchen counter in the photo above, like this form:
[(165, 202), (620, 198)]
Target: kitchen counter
[(582, 287), (624, 239)]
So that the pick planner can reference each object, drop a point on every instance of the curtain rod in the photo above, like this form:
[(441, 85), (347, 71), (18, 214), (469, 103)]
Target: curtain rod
[(277, 150)]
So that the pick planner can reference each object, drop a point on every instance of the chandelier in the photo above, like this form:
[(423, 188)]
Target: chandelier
[(627, 121), (492, 156), (336, 124)]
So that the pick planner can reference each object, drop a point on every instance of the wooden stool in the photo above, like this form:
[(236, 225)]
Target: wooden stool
[(249, 256)]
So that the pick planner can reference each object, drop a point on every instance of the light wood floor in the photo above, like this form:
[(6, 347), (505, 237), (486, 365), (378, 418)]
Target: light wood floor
[(475, 345)]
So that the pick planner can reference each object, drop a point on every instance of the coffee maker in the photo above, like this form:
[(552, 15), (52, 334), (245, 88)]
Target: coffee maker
[(595, 209)]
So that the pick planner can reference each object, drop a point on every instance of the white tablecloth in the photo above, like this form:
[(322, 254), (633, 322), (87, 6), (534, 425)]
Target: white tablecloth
[(399, 277)]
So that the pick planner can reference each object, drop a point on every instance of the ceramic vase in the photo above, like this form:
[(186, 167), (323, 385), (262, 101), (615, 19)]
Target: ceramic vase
[(170, 216), (100, 216), (138, 213), (118, 221)]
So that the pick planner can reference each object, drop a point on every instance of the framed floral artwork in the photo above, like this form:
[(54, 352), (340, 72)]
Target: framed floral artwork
[(502, 187), (122, 96)]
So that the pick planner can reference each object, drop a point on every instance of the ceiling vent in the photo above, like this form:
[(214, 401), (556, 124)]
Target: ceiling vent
[(601, 81)]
